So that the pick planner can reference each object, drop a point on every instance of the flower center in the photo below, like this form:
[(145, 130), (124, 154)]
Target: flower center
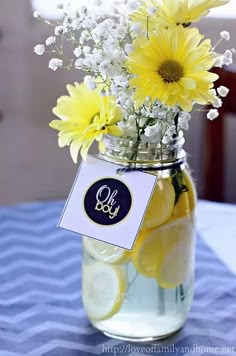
[(170, 71)]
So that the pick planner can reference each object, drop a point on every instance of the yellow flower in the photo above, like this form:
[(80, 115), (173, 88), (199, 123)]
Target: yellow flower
[(85, 116), (174, 12), (173, 67)]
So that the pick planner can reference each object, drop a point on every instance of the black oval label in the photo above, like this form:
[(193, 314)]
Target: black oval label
[(107, 201)]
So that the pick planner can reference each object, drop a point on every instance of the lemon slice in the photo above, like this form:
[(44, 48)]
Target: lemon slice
[(103, 290), (161, 205), (177, 258), (152, 248), (146, 254), (187, 200), (182, 208), (105, 252), (192, 193)]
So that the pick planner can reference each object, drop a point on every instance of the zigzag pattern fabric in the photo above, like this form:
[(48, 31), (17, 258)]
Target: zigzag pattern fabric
[(40, 295)]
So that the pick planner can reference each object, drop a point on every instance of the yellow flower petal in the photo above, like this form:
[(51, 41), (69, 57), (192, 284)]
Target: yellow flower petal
[(176, 72), (101, 147), (85, 147), (173, 12), (74, 149), (115, 131), (85, 117)]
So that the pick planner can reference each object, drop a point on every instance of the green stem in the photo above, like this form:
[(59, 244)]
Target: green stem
[(217, 44), (161, 300), (132, 282), (145, 126), (148, 27), (182, 294)]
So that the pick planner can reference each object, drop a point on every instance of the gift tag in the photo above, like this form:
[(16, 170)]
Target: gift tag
[(105, 205)]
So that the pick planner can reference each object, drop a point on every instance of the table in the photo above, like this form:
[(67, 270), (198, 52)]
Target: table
[(40, 296)]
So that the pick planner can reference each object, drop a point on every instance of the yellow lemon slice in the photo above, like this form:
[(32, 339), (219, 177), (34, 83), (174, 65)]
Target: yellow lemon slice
[(105, 252), (146, 254), (152, 248), (187, 200), (192, 193), (177, 258), (161, 205), (103, 290), (182, 207)]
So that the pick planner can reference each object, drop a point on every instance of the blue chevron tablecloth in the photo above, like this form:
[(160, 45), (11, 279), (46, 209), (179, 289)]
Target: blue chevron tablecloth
[(40, 296)]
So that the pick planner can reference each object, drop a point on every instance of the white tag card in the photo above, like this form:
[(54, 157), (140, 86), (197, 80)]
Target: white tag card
[(107, 206)]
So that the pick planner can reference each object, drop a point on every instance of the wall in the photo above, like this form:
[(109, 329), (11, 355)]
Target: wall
[(195, 139), (32, 167)]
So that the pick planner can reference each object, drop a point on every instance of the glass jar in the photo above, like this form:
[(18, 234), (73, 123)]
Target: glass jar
[(145, 294)]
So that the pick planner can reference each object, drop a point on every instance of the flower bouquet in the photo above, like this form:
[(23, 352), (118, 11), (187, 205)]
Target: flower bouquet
[(147, 68)]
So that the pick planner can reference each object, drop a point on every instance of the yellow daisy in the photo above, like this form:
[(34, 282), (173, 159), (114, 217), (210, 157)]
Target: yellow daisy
[(173, 67), (85, 116), (173, 12)]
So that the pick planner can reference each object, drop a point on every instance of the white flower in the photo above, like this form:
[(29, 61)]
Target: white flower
[(59, 30), (228, 61), (213, 92), (225, 35), (225, 59), (219, 62), (67, 23), (171, 130), (90, 24), (217, 103), (55, 63), (76, 24), (79, 63), (223, 91), (167, 140), (50, 41), (228, 57), (121, 81), (152, 10), (133, 5), (60, 6), (152, 130), (114, 89), (78, 52), (36, 15), (104, 66), (83, 38), (129, 48), (184, 115), (228, 54), (89, 82), (155, 139), (136, 27), (86, 49), (184, 118), (39, 49), (212, 114), (83, 10), (88, 62)]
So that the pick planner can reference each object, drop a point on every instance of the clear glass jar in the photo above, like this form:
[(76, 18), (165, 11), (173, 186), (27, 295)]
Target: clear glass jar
[(145, 294)]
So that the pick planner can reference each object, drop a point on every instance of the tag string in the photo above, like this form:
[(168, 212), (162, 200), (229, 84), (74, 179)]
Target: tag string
[(140, 169)]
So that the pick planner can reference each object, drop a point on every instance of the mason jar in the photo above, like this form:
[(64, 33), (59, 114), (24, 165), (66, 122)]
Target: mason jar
[(145, 294)]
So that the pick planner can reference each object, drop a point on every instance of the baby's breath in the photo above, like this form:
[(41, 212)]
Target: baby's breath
[(101, 42)]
